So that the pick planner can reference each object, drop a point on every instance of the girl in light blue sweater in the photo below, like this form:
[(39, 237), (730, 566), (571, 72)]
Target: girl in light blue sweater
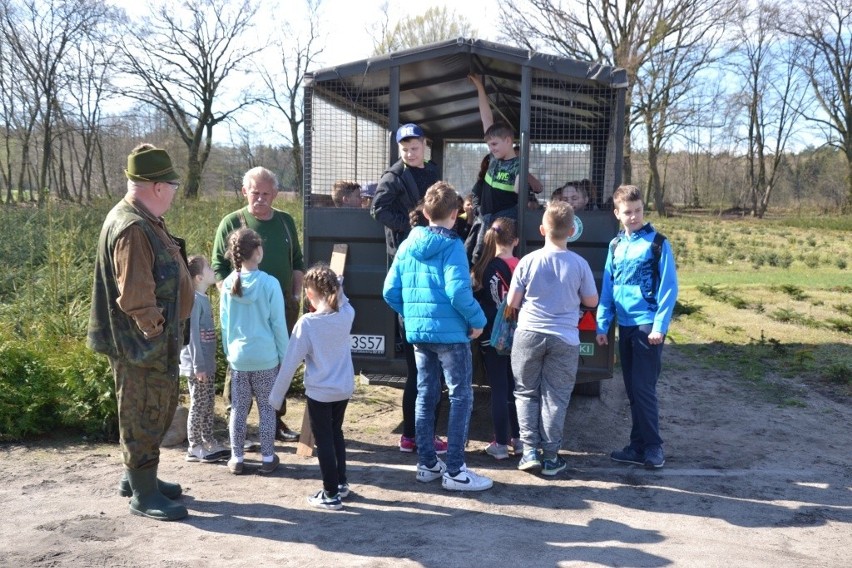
[(254, 338), (321, 339)]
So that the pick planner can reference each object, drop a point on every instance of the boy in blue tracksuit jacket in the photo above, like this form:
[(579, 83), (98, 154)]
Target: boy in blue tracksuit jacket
[(639, 288), (429, 285)]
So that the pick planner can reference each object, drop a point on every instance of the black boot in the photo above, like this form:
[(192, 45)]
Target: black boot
[(170, 490), (147, 500)]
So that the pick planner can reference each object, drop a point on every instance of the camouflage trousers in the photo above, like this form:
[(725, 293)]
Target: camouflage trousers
[(146, 405)]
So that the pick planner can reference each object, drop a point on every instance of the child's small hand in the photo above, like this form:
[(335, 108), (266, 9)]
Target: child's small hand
[(201, 376), (656, 338), (510, 313), (602, 339), (474, 333), (476, 80)]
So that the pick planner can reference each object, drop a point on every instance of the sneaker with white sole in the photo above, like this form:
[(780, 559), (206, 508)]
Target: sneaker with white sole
[(343, 490), (235, 466), (194, 454), (465, 480), (323, 501), (426, 474), (553, 466), (497, 451), (211, 452), (529, 461), (407, 444)]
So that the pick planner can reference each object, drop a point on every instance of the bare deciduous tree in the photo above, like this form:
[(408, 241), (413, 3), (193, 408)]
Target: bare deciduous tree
[(666, 97), (433, 25), (188, 54), (825, 28), (620, 33), (284, 85), (41, 35), (770, 98)]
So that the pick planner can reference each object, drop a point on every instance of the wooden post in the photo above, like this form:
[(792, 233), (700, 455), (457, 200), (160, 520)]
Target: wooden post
[(305, 447)]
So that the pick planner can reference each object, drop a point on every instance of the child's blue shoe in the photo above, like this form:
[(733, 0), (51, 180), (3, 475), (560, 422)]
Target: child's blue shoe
[(654, 458), (553, 466), (529, 461), (628, 455)]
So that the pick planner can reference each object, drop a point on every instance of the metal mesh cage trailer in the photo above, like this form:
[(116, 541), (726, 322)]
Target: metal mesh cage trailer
[(569, 120)]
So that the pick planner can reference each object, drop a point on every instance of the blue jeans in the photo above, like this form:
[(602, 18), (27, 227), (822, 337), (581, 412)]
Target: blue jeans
[(640, 367), (455, 360)]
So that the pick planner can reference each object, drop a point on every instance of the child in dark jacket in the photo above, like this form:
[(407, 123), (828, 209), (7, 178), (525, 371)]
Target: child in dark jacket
[(491, 276)]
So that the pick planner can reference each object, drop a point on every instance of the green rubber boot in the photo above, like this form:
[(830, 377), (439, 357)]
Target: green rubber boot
[(147, 500), (170, 490)]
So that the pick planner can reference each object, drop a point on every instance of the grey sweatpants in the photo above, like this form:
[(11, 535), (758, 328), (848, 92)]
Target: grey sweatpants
[(545, 369)]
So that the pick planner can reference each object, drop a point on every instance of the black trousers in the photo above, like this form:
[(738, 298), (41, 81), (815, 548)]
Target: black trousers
[(327, 425)]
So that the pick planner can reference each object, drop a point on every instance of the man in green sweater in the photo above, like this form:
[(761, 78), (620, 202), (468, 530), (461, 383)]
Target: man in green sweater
[(282, 254)]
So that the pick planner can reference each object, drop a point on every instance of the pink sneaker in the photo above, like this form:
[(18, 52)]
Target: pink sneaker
[(407, 444)]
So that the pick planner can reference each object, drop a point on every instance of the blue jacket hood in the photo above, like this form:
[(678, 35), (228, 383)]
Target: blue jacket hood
[(429, 284), (428, 243)]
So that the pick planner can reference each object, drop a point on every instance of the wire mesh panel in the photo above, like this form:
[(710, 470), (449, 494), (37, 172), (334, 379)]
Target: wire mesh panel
[(568, 116), (345, 139), (571, 130)]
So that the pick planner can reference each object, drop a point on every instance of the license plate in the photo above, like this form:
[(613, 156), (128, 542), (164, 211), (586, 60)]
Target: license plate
[(372, 344)]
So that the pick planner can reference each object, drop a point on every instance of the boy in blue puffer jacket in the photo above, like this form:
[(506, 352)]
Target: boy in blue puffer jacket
[(429, 285), (639, 288)]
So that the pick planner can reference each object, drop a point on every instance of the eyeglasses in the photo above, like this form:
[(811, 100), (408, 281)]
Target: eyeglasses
[(175, 184)]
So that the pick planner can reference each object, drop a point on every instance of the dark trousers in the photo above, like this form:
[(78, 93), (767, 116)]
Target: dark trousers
[(503, 412), (146, 406), (327, 425), (640, 367)]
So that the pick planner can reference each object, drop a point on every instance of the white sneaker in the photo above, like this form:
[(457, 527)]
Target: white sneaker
[(465, 480), (194, 454), (214, 451), (427, 474)]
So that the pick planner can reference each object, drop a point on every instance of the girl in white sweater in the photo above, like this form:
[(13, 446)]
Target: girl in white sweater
[(321, 339)]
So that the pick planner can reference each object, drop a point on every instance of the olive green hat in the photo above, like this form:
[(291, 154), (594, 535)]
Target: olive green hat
[(151, 164)]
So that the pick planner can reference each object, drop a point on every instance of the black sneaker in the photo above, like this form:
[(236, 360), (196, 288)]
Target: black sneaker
[(284, 434), (628, 455)]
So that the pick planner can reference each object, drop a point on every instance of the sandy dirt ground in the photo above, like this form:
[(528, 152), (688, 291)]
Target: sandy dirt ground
[(747, 483)]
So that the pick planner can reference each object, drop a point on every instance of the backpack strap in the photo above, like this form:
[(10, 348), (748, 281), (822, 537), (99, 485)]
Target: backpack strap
[(656, 251)]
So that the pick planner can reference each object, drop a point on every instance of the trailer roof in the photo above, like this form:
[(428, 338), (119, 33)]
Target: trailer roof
[(435, 93)]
